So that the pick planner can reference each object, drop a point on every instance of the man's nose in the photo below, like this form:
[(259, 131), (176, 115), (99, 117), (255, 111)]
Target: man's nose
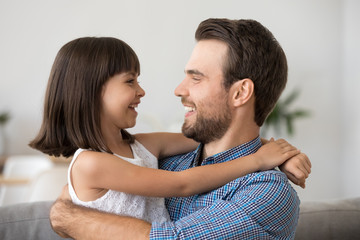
[(181, 89)]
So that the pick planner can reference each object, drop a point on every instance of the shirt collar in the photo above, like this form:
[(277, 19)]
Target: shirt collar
[(230, 154)]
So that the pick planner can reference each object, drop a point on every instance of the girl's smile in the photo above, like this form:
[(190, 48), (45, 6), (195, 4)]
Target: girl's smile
[(120, 97)]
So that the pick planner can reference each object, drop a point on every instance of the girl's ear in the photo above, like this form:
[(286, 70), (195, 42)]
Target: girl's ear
[(242, 91)]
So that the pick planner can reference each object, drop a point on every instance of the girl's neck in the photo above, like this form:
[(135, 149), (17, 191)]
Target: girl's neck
[(117, 144), (123, 150)]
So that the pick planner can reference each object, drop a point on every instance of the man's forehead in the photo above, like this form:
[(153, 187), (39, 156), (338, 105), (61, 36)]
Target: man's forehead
[(207, 56), (211, 47)]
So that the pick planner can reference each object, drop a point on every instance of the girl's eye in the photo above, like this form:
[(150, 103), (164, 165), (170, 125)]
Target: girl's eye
[(132, 81)]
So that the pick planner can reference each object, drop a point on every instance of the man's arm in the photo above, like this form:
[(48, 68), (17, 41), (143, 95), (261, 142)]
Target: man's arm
[(70, 220)]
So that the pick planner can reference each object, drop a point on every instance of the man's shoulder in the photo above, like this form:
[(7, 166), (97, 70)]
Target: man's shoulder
[(178, 162), (269, 184), (266, 177), (268, 174), (271, 192)]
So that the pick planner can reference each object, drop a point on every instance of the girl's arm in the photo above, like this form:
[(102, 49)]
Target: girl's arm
[(163, 144), (95, 170), (297, 169)]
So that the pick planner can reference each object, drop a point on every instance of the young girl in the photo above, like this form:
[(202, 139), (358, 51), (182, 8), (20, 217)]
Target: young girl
[(90, 100)]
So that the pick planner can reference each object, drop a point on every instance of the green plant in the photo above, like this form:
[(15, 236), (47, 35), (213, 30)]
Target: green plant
[(282, 116), (4, 117)]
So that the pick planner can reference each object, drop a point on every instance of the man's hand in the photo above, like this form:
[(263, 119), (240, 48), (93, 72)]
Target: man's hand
[(78, 222), (57, 212)]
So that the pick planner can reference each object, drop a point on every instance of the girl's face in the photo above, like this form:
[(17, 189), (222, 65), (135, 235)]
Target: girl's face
[(120, 96)]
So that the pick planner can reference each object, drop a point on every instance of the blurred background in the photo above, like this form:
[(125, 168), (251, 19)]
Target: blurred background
[(320, 38)]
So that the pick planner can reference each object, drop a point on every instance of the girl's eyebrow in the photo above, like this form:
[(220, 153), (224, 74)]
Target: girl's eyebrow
[(131, 74)]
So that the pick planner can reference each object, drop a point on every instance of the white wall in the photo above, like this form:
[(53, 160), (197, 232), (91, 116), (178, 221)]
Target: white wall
[(319, 38), (350, 99)]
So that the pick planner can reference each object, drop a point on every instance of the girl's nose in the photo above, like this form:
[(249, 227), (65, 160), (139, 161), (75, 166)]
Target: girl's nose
[(140, 91)]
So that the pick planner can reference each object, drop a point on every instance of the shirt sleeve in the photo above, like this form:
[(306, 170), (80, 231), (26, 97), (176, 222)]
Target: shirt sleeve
[(264, 206)]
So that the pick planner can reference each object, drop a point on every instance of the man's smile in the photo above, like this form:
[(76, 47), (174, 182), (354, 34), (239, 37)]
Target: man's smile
[(189, 111)]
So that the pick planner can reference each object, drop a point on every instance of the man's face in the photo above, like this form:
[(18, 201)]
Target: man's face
[(207, 116)]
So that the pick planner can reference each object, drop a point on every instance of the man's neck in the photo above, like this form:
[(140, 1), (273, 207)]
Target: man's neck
[(229, 140)]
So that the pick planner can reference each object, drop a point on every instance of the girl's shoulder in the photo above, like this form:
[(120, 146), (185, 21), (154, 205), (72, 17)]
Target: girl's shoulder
[(148, 141), (88, 161), (143, 137)]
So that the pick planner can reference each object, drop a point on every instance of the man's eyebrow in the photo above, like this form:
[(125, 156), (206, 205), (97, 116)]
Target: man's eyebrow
[(194, 72)]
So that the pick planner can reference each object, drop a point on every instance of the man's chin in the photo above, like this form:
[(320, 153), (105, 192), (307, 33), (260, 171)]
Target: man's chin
[(191, 133), (188, 131)]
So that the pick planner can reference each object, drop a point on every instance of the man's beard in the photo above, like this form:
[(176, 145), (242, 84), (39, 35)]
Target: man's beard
[(207, 129)]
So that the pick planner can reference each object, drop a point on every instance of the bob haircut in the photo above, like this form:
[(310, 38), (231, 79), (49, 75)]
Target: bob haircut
[(73, 97)]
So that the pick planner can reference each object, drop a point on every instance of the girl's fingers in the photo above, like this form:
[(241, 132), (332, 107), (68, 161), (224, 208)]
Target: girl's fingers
[(289, 148), (308, 168), (291, 153), (280, 141), (295, 180), (306, 164), (301, 172)]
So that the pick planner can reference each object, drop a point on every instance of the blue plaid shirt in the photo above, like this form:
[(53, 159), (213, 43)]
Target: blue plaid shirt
[(260, 205)]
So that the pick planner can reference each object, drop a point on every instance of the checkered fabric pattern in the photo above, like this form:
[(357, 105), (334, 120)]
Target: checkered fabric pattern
[(261, 205)]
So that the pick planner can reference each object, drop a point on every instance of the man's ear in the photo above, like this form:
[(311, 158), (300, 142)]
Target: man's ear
[(242, 91)]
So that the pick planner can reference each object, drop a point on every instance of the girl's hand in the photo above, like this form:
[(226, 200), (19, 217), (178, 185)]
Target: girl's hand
[(297, 169), (275, 153)]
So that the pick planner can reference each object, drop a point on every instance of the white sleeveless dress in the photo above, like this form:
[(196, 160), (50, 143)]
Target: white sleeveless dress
[(150, 209)]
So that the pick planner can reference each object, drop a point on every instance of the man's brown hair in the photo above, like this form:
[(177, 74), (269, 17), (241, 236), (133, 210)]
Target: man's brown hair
[(253, 53)]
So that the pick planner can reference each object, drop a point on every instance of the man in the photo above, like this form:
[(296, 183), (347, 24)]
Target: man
[(234, 77)]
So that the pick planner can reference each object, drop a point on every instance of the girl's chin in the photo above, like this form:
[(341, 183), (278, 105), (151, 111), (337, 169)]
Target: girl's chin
[(131, 125)]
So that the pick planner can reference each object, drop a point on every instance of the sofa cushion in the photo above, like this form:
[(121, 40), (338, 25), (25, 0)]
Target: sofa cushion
[(330, 220), (334, 219), (26, 221)]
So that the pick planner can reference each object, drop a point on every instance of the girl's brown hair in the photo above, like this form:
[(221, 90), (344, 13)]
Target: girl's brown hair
[(73, 97)]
